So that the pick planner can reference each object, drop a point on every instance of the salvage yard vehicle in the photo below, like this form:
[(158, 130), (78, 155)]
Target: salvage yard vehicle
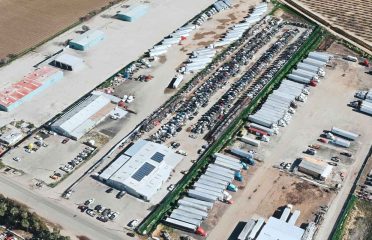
[(347, 154), (121, 194), (310, 151)]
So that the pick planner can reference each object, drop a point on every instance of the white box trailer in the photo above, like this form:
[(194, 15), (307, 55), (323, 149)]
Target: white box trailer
[(299, 79), (294, 217), (250, 141), (182, 225), (201, 196), (257, 227), (193, 205), (313, 62), (308, 67), (304, 73), (185, 219), (319, 57), (213, 166), (221, 172), (222, 43), (209, 205), (247, 229), (193, 210), (241, 153), (221, 155), (188, 214), (285, 214), (207, 178), (344, 133), (219, 195), (157, 53), (230, 162), (340, 142), (212, 184), (223, 163), (268, 124), (207, 187), (217, 176)]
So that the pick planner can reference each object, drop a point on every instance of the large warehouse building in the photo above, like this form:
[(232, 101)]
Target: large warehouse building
[(142, 169), (83, 117), (87, 40), (315, 168), (32, 84)]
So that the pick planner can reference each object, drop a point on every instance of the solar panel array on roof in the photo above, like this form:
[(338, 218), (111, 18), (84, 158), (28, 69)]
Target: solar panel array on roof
[(158, 157), (143, 171)]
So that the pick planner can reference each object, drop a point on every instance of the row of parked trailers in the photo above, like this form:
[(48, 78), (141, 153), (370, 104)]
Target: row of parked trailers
[(211, 186), (237, 31), (341, 137), (280, 105), (365, 104)]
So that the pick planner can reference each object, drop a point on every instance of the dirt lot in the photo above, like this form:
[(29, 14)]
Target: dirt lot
[(25, 23), (359, 222)]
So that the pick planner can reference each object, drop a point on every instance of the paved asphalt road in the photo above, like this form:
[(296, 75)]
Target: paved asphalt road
[(53, 211)]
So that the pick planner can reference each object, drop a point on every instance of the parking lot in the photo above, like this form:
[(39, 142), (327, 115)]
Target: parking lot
[(45, 157)]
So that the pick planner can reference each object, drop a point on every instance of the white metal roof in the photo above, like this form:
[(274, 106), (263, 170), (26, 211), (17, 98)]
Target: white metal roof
[(70, 60), (77, 121), (276, 229), (87, 37), (316, 166), (143, 167)]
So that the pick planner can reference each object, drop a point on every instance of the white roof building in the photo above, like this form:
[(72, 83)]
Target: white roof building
[(315, 167), (11, 137), (68, 62), (83, 117), (142, 169), (276, 229)]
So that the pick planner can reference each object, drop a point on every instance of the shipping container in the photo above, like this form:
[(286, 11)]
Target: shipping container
[(209, 205), (193, 205), (313, 62), (270, 131), (257, 227), (204, 177), (250, 141), (247, 229), (344, 133), (185, 219), (220, 172), (201, 196), (188, 214), (181, 225), (193, 210), (213, 166), (340, 142)]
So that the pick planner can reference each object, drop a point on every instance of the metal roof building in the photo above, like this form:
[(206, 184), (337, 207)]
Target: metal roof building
[(133, 13), (11, 137), (83, 117), (314, 167), (142, 169), (32, 84), (280, 230), (68, 62), (87, 40)]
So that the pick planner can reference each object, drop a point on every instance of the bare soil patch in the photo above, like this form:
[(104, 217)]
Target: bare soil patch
[(24, 23)]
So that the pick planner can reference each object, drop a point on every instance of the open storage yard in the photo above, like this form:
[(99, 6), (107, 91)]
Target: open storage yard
[(38, 20)]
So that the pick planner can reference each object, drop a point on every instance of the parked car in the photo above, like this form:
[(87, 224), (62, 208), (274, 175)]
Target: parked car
[(347, 154), (121, 194), (89, 201), (64, 141), (133, 224), (310, 151), (91, 213), (113, 215), (335, 159), (171, 187), (102, 218), (109, 190)]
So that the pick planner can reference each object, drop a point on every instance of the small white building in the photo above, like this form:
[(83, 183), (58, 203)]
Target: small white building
[(68, 62), (11, 137), (142, 169), (315, 168)]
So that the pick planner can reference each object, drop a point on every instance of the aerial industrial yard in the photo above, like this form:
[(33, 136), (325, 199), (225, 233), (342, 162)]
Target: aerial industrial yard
[(220, 119)]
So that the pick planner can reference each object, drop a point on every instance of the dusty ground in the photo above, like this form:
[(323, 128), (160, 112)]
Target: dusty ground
[(321, 111), (359, 222), (24, 23)]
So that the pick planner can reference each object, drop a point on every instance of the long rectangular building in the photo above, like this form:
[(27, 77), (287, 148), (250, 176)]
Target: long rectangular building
[(142, 169), (32, 84), (83, 117)]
